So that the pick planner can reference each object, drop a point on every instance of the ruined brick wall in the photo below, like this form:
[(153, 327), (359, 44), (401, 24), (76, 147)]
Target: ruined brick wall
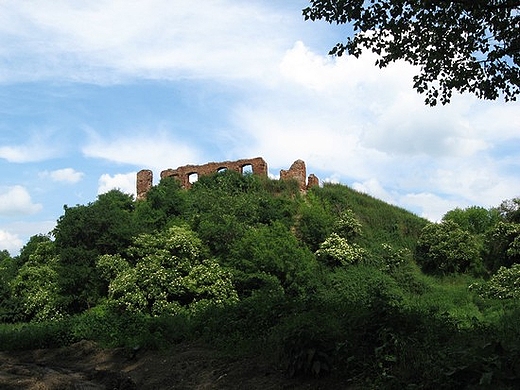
[(298, 172), (258, 166), (312, 181)]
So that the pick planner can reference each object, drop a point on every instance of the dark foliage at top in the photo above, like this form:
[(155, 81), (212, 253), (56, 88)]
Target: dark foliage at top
[(464, 46)]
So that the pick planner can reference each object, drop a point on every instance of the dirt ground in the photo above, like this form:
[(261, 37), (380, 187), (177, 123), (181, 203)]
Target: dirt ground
[(86, 366)]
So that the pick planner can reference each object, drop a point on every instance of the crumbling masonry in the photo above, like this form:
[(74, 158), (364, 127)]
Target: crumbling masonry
[(258, 166)]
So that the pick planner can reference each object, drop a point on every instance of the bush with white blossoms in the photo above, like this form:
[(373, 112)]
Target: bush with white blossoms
[(505, 284), (165, 273), (335, 250)]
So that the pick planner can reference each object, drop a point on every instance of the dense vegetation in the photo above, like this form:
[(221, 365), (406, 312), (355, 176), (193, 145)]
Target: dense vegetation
[(333, 282)]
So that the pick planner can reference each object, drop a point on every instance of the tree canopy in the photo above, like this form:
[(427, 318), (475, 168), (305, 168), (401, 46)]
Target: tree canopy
[(459, 45)]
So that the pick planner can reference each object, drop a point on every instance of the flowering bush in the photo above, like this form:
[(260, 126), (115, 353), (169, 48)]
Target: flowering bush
[(335, 250), (347, 225), (164, 273), (505, 284)]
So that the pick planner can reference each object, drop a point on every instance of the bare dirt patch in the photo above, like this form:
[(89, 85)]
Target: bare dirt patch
[(86, 366)]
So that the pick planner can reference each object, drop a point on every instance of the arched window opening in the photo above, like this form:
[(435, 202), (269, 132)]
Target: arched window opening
[(247, 169), (193, 177), (222, 170)]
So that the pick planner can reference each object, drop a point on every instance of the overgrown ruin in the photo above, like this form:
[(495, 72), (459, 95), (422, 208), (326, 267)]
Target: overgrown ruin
[(257, 166)]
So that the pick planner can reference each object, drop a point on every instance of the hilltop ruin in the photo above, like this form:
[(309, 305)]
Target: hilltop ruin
[(257, 166)]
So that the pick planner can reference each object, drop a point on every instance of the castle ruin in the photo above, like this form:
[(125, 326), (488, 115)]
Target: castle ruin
[(257, 165)]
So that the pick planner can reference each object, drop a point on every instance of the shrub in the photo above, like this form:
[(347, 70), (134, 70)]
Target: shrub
[(274, 250), (164, 273), (347, 225), (445, 248), (503, 245), (336, 251), (505, 284)]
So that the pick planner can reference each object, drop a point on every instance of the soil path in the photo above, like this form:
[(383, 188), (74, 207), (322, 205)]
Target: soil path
[(85, 366)]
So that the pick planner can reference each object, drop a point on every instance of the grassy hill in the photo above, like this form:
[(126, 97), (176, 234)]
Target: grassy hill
[(381, 222), (322, 284)]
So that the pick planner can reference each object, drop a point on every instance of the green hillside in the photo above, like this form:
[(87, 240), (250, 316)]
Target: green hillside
[(328, 283)]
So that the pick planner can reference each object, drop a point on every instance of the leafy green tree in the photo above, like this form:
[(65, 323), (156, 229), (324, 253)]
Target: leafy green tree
[(163, 203), (505, 284), (274, 250), (224, 205), (465, 46), (30, 247), (314, 224), (35, 288), (164, 273), (502, 246), (83, 233), (104, 226), (474, 219), (445, 248), (510, 210), (8, 270)]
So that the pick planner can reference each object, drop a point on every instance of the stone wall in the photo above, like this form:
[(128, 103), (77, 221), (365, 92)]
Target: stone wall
[(257, 165)]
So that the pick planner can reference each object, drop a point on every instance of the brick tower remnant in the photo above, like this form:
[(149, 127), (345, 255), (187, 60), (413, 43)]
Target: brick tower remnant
[(144, 183), (298, 172), (312, 181)]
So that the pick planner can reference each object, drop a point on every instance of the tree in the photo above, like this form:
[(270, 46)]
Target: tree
[(338, 248), (84, 232), (30, 247), (474, 219), (444, 248), (164, 273), (163, 203), (314, 223), (510, 210), (505, 284), (347, 225), (35, 288), (8, 270), (460, 45), (503, 245), (274, 250)]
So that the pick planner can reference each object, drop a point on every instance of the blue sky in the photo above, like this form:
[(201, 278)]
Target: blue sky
[(92, 92)]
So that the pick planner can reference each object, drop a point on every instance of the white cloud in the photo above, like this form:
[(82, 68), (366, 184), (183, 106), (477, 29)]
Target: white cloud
[(429, 206), (10, 242), (157, 151), (106, 40), (374, 188), (27, 153), (17, 201), (359, 123), (123, 182), (14, 236), (65, 175), (343, 116)]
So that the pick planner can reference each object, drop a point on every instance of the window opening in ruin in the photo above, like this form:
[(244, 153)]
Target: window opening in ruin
[(222, 170), (193, 177), (247, 169)]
